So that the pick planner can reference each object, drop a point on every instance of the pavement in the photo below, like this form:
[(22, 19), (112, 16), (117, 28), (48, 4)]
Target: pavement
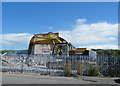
[(31, 79), (40, 79), (99, 80)]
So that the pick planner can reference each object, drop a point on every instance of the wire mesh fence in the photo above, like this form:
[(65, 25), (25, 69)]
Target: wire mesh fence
[(59, 65)]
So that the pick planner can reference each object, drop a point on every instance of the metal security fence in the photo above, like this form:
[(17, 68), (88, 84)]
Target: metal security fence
[(109, 65), (55, 65)]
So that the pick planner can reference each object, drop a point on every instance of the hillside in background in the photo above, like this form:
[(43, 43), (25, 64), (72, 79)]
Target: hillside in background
[(4, 51), (102, 52)]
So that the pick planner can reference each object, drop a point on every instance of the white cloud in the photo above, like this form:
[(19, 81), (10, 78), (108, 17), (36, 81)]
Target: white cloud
[(106, 46), (50, 28), (15, 39), (96, 35), (88, 34), (112, 38), (79, 21)]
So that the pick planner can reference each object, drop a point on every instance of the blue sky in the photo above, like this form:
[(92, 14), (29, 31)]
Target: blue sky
[(28, 18)]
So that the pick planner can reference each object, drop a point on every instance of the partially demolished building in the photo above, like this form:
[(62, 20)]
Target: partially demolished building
[(49, 44)]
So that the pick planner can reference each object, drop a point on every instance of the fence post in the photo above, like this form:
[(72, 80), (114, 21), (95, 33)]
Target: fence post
[(21, 64)]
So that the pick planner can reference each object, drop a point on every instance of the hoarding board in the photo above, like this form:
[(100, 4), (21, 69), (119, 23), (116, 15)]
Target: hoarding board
[(42, 49)]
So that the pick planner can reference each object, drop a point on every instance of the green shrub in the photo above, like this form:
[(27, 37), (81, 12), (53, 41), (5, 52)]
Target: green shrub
[(93, 71)]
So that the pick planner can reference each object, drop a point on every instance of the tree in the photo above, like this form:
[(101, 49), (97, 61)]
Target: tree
[(3, 51), (67, 68), (107, 52), (79, 67)]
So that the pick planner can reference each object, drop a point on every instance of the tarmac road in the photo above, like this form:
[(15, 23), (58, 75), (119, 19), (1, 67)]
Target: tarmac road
[(30, 79), (40, 79)]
